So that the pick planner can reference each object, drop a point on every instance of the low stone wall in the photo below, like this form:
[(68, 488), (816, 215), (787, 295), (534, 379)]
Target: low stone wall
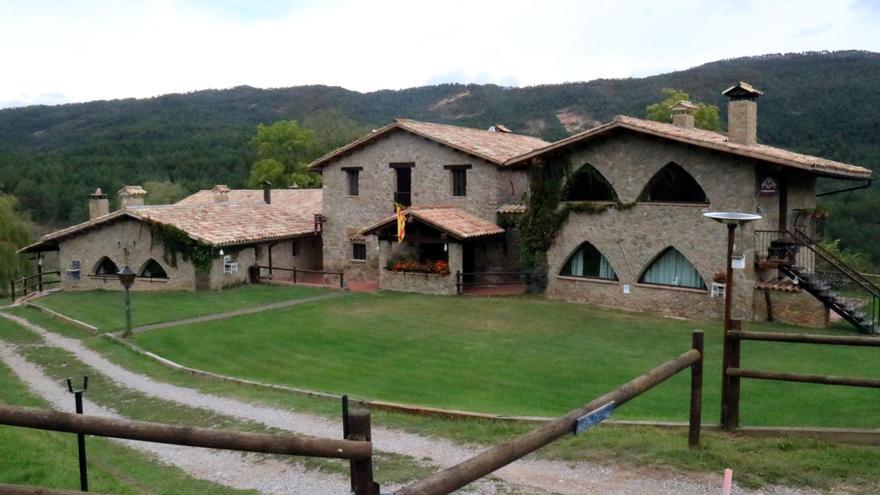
[(794, 308), (661, 300), (423, 283)]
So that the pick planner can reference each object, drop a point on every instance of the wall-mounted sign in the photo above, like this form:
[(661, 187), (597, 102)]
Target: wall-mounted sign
[(738, 261), (768, 185)]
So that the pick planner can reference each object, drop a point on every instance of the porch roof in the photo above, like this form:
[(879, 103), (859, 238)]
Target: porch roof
[(456, 223)]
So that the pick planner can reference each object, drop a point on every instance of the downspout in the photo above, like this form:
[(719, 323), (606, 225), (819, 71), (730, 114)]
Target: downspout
[(866, 185)]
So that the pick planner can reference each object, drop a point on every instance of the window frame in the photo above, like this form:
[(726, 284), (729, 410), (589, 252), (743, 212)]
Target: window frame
[(353, 180), (581, 246), (356, 248), (655, 259), (459, 188)]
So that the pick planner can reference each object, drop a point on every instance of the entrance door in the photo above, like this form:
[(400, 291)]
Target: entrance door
[(467, 262)]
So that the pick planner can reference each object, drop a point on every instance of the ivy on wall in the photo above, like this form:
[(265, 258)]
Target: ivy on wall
[(546, 214), (176, 242)]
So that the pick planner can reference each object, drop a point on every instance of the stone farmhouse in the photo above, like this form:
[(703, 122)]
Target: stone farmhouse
[(632, 234)]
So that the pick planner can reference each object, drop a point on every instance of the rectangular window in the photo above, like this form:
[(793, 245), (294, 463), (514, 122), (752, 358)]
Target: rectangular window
[(352, 174), (358, 251), (294, 248), (459, 179)]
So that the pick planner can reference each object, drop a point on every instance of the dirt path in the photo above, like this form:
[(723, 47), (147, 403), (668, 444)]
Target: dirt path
[(538, 476), (233, 314)]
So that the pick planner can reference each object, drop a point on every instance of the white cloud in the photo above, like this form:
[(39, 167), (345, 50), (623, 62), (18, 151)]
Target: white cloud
[(100, 49)]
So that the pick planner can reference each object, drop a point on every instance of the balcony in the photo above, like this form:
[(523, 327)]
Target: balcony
[(403, 198)]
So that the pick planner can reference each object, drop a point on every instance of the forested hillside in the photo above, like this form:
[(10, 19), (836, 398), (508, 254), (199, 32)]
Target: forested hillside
[(52, 157)]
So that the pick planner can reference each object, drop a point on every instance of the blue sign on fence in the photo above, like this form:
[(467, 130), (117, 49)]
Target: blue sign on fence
[(593, 418)]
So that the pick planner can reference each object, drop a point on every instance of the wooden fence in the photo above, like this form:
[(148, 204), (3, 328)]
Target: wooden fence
[(33, 283), (733, 372), (489, 279), (356, 445), (296, 271)]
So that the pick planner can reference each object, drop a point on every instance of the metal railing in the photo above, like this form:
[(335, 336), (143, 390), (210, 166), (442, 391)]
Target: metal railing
[(489, 279), (33, 283), (296, 271), (846, 289), (403, 198)]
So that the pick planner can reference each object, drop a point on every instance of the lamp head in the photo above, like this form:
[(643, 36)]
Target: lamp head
[(126, 277), (732, 217)]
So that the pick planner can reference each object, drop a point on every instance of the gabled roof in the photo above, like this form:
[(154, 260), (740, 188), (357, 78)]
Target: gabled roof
[(459, 224), (216, 224), (710, 140), (494, 147)]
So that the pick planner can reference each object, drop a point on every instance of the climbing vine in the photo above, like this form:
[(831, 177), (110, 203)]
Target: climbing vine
[(176, 242), (546, 214)]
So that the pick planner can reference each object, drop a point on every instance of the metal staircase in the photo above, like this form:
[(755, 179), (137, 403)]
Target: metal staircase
[(838, 286)]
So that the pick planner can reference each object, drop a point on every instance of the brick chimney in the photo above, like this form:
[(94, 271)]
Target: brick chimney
[(99, 205), (267, 192), (131, 196), (221, 193), (683, 114), (742, 114)]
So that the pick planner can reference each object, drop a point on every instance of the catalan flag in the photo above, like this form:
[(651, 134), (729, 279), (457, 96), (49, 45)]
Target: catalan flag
[(401, 222)]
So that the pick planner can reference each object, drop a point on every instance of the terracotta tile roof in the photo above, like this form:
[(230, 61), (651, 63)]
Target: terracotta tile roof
[(780, 285), (293, 198), (512, 209), (712, 140), (219, 224), (457, 223), (494, 147)]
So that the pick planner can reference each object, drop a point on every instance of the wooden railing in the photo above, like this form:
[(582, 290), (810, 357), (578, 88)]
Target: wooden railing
[(732, 371), (296, 271), (37, 282), (489, 279)]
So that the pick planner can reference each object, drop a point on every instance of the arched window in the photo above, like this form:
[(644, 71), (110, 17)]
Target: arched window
[(152, 269), (588, 262), (672, 268), (588, 184), (106, 267), (672, 184)]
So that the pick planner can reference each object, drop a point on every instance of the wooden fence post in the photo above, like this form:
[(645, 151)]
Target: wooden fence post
[(12, 290), (361, 469), (733, 348), (696, 391)]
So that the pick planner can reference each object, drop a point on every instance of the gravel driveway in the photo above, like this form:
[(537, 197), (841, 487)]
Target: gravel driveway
[(531, 476)]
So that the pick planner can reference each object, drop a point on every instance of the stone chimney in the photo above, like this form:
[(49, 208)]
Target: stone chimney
[(131, 196), (742, 114), (683, 114), (267, 192), (99, 205), (221, 193)]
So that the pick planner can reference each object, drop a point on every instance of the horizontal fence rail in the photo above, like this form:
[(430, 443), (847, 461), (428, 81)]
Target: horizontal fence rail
[(33, 283), (496, 457), (296, 271), (302, 445), (35, 490)]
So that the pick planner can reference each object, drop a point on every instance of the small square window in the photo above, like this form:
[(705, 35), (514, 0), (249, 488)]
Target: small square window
[(353, 178), (459, 182), (359, 251)]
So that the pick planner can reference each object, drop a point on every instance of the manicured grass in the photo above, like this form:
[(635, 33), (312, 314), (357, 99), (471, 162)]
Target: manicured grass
[(105, 308), (755, 461), (511, 355)]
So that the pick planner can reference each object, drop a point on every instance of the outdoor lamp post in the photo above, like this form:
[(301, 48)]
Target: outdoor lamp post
[(732, 220), (126, 278)]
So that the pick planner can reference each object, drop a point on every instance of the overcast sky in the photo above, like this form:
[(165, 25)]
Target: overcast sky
[(71, 51)]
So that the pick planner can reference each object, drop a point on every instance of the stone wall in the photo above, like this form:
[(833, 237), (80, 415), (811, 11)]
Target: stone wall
[(125, 242), (309, 255), (632, 238), (487, 188), (219, 279), (423, 283), (794, 308)]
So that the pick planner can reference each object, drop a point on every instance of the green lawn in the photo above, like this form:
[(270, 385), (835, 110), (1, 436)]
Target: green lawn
[(511, 355), (105, 308), (756, 461)]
